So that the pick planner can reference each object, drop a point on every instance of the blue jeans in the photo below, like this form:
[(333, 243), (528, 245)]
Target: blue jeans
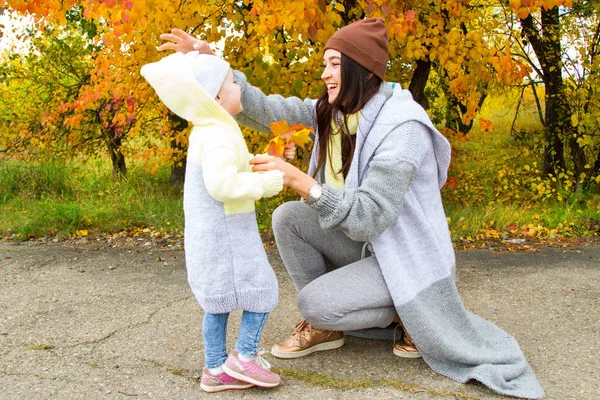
[(214, 332)]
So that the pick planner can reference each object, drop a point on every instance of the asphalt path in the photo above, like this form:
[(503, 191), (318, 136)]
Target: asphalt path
[(115, 319)]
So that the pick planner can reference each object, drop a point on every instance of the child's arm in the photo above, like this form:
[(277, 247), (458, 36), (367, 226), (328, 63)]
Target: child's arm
[(225, 183)]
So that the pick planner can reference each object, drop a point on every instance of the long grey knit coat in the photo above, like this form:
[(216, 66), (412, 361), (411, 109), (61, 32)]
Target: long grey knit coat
[(409, 234)]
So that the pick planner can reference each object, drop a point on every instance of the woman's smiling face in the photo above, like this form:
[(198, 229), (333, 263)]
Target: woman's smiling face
[(332, 73)]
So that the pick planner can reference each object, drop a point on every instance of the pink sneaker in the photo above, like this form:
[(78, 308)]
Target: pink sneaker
[(256, 371), (217, 383)]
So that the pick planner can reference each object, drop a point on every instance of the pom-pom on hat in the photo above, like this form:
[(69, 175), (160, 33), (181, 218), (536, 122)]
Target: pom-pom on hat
[(364, 41), (210, 71)]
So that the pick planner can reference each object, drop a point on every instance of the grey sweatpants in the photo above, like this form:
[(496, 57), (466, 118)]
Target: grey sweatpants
[(337, 289)]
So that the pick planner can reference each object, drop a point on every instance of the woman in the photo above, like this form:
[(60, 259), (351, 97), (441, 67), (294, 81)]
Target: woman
[(370, 242)]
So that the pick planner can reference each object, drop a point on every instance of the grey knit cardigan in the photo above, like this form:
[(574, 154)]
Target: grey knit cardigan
[(403, 218)]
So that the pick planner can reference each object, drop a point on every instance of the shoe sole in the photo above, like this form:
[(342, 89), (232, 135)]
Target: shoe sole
[(407, 354), (336, 344), (214, 389), (244, 378)]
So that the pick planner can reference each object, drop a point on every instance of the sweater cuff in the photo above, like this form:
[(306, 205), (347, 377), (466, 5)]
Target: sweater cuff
[(328, 204), (240, 79), (272, 182)]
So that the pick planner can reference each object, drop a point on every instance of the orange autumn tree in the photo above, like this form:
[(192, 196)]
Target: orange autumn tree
[(444, 43), (71, 102)]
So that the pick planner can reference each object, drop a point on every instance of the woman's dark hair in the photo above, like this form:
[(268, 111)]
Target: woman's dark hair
[(358, 86)]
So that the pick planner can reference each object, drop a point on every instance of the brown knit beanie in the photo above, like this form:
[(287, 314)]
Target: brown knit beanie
[(364, 41)]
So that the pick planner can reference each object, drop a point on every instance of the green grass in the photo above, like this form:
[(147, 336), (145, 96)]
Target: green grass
[(483, 201), (55, 200), (59, 200), (496, 175), (542, 221), (330, 382)]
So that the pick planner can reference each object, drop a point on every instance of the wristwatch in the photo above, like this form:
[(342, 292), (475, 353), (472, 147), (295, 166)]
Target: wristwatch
[(314, 194)]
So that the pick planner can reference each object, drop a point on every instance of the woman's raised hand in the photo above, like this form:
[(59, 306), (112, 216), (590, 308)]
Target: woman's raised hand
[(289, 151), (264, 163), (179, 40)]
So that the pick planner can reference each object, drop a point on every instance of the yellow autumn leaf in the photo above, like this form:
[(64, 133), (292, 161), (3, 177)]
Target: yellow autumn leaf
[(82, 233), (523, 12), (275, 147), (574, 120), (280, 127), (284, 134), (302, 137)]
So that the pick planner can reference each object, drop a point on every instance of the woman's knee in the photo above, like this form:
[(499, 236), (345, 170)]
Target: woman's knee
[(286, 215), (317, 309)]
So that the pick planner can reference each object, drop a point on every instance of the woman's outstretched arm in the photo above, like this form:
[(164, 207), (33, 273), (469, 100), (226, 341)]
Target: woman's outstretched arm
[(259, 110), (179, 40)]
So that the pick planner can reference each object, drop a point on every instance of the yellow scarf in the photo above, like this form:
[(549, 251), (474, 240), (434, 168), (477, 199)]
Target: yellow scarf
[(333, 163)]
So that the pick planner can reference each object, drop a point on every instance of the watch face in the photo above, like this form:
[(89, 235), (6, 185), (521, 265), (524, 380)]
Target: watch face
[(315, 192)]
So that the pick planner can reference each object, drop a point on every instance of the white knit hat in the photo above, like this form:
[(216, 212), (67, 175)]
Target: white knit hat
[(188, 84), (210, 71)]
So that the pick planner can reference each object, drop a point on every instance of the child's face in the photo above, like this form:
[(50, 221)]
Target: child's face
[(230, 95)]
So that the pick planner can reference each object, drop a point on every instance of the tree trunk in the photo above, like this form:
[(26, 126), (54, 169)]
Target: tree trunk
[(595, 170), (455, 109), (546, 45), (117, 158), (418, 82), (178, 171), (556, 107)]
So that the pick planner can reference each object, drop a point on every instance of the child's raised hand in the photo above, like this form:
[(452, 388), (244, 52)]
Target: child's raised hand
[(179, 40), (289, 151)]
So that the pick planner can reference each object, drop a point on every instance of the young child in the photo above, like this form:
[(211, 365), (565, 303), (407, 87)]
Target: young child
[(226, 263)]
